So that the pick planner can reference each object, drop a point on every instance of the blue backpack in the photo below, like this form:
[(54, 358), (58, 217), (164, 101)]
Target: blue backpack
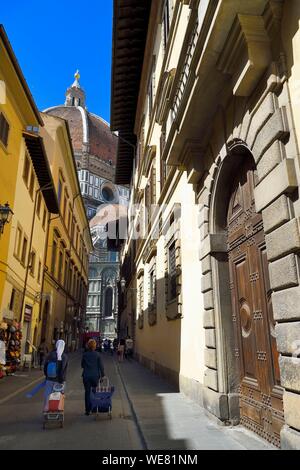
[(52, 370)]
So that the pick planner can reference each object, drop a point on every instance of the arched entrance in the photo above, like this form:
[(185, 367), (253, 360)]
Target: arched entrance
[(260, 394)]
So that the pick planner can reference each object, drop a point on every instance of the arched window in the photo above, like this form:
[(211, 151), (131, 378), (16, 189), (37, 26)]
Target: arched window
[(108, 302)]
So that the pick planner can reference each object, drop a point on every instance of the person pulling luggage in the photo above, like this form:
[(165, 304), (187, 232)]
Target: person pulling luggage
[(93, 371), (55, 367)]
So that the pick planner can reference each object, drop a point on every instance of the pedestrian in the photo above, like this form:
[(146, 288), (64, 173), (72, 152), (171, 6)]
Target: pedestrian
[(115, 344), (121, 349), (93, 371), (129, 347), (42, 352), (55, 367)]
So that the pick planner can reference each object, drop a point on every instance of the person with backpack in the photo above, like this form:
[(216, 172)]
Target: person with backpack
[(55, 367)]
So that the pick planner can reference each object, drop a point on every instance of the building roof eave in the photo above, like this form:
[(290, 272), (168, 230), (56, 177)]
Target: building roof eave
[(130, 29), (37, 152)]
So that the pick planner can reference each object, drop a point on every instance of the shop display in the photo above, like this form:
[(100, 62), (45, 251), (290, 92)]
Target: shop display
[(10, 347)]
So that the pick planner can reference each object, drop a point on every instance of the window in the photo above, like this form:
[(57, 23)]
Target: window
[(18, 242), (166, 22), (4, 130), (108, 302), (69, 218), (107, 194), (24, 250), (44, 218), (32, 262), (152, 286), (140, 296), (39, 272), (26, 169), (172, 271), (65, 208), (60, 266), (12, 299), (53, 259), (31, 185), (66, 273), (59, 191), (38, 205), (91, 179), (96, 181), (151, 88)]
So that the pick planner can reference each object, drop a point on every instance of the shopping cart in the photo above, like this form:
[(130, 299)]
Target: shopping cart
[(55, 406), (101, 398)]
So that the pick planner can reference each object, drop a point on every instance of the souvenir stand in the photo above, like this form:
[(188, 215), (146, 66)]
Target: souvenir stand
[(10, 339)]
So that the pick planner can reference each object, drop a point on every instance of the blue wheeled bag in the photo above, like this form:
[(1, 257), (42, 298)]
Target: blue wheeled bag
[(101, 398)]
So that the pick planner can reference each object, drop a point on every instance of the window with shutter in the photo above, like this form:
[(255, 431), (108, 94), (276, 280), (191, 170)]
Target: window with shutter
[(4, 130), (172, 272)]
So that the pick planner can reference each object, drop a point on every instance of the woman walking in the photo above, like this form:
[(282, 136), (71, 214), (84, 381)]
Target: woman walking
[(55, 367), (93, 371)]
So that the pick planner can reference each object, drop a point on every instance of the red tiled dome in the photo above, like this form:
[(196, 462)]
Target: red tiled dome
[(88, 132)]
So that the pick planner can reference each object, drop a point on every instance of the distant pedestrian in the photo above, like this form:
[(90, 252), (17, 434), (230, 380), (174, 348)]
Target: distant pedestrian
[(121, 349), (93, 371), (128, 347), (42, 352)]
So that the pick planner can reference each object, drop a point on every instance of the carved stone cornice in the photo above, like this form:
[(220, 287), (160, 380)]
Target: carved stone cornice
[(149, 251), (246, 54)]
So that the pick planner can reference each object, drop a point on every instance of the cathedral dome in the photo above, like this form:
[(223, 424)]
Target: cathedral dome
[(90, 133)]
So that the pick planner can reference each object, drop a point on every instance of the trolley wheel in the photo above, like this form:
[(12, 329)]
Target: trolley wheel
[(110, 414)]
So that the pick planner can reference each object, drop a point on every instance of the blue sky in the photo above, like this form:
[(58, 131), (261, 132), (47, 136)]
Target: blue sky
[(52, 38)]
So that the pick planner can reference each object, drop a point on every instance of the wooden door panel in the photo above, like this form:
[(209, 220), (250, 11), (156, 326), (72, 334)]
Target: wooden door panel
[(255, 344)]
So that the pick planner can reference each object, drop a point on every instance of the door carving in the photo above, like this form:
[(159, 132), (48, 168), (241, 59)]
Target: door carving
[(261, 406)]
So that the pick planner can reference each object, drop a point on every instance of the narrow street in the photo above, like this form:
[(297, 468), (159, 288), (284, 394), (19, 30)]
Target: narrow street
[(147, 414), (21, 419)]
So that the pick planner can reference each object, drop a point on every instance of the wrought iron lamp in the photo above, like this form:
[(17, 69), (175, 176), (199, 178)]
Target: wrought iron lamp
[(5, 216)]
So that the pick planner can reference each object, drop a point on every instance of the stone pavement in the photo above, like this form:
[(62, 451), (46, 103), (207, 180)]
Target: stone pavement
[(148, 413), (169, 420)]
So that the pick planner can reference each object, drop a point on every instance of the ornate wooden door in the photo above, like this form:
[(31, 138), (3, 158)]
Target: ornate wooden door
[(261, 406)]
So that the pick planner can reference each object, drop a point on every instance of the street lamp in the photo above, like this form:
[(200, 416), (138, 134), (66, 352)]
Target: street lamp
[(5, 216)]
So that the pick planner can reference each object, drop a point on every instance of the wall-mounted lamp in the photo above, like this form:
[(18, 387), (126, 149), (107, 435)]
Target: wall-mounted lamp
[(5, 216)]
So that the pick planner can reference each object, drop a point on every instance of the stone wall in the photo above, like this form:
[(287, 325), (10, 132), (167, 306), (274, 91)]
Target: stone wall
[(265, 129)]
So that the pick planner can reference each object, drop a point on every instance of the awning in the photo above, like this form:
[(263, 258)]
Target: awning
[(36, 149), (130, 28)]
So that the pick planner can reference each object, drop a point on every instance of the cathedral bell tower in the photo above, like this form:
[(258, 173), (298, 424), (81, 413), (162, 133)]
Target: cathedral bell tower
[(75, 96)]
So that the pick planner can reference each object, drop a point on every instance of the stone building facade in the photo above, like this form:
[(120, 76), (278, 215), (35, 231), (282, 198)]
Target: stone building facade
[(217, 127), (95, 148)]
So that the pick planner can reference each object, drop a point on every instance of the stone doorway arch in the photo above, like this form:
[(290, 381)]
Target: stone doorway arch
[(222, 391)]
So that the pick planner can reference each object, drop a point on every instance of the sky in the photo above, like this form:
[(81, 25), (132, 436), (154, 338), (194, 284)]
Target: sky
[(54, 38)]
